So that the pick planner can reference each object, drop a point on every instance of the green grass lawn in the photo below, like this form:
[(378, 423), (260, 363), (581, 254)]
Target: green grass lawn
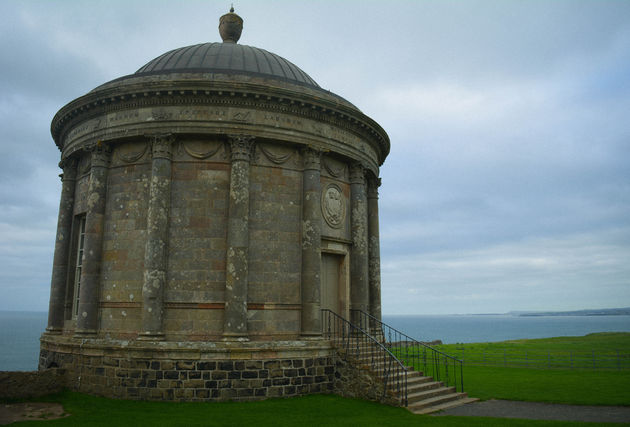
[(578, 387), (583, 386), (593, 351), (316, 410)]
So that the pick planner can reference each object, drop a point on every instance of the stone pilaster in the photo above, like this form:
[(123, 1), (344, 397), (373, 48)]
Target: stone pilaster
[(87, 319), (311, 243), (62, 247), (359, 289), (236, 275), (374, 251), (156, 250)]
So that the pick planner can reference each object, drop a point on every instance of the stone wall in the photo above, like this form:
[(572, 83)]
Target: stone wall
[(358, 382), (249, 371)]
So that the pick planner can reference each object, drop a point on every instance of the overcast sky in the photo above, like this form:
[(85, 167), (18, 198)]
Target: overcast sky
[(508, 182)]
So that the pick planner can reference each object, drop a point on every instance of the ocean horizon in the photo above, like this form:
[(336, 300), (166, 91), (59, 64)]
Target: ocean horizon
[(20, 330)]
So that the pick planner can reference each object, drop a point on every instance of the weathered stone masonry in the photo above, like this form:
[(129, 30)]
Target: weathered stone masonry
[(62, 248), (87, 319), (156, 252), (222, 197)]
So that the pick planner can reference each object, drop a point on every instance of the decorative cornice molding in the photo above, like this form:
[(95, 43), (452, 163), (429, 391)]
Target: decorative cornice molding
[(298, 104)]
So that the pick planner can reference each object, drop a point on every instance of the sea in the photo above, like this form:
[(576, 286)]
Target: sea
[(20, 330)]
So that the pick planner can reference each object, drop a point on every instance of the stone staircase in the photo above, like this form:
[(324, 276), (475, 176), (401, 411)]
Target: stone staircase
[(424, 395)]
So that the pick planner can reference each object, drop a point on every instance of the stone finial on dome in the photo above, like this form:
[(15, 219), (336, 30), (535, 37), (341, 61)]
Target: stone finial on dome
[(230, 27)]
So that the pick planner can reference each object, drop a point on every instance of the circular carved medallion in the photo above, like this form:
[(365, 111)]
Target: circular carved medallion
[(333, 206)]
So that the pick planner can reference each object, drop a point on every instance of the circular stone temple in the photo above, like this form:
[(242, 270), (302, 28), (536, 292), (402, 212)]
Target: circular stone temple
[(212, 204)]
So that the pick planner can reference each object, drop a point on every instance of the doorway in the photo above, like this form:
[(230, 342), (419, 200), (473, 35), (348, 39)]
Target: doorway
[(332, 283)]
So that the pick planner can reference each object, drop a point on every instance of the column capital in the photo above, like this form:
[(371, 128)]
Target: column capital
[(357, 173), (69, 167), (100, 154), (312, 158), (161, 145), (373, 185), (241, 147)]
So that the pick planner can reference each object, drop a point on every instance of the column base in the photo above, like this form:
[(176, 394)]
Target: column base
[(311, 336), (151, 336), (231, 336), (85, 333)]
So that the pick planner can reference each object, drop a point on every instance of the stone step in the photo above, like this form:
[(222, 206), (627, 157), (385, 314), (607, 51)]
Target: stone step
[(423, 395), (452, 404), (430, 402), (416, 387)]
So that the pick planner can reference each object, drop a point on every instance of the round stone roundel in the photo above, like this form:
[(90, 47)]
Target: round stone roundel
[(333, 206)]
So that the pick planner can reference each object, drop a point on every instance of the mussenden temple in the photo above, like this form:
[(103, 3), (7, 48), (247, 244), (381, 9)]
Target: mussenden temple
[(218, 235)]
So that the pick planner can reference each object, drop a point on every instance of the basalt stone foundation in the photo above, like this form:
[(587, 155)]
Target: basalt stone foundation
[(212, 204)]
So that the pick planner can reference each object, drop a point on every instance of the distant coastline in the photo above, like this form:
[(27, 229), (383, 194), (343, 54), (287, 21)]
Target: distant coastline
[(598, 312)]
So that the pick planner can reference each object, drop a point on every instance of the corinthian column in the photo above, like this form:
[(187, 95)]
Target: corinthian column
[(87, 319), (156, 250), (359, 290), (236, 275), (62, 247), (374, 251), (311, 244)]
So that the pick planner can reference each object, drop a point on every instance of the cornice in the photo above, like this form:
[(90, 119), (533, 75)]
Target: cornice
[(325, 108)]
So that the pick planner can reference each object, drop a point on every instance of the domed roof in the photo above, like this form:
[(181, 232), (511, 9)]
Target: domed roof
[(228, 58)]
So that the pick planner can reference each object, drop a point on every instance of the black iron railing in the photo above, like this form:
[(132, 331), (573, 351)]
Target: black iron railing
[(422, 357), (357, 345)]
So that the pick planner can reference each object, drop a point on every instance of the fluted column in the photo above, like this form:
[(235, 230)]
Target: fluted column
[(156, 249), (311, 244), (236, 275), (374, 251), (87, 319), (62, 247), (359, 290)]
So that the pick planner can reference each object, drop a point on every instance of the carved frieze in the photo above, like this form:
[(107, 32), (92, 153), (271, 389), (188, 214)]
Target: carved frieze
[(200, 150), (132, 152), (275, 156), (334, 168)]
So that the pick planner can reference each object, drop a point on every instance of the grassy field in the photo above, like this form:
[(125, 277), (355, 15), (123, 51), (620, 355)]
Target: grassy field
[(318, 410), (594, 351), (511, 376)]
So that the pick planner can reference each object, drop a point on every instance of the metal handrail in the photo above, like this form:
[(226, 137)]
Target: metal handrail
[(355, 342), (414, 353)]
